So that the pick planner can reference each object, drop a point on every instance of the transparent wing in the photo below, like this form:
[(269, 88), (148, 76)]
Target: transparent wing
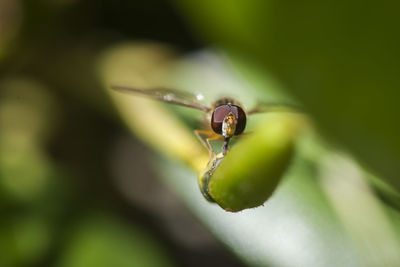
[(273, 107), (166, 95)]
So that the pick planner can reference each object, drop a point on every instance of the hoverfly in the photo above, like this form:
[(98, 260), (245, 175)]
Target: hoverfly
[(226, 116)]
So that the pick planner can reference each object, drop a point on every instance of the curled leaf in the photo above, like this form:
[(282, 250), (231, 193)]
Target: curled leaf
[(251, 171)]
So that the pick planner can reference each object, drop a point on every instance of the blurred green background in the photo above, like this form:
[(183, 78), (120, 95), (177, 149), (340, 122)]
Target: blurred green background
[(78, 186)]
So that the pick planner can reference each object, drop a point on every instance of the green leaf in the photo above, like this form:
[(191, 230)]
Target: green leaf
[(251, 171)]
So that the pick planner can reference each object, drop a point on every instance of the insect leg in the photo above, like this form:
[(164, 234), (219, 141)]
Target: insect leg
[(205, 136)]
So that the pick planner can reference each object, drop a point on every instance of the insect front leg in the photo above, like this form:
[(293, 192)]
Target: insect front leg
[(205, 136)]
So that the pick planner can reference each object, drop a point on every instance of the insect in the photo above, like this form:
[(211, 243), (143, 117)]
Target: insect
[(226, 116)]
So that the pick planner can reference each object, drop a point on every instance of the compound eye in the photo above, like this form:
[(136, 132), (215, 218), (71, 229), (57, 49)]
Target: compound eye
[(218, 117), (219, 114), (241, 119)]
